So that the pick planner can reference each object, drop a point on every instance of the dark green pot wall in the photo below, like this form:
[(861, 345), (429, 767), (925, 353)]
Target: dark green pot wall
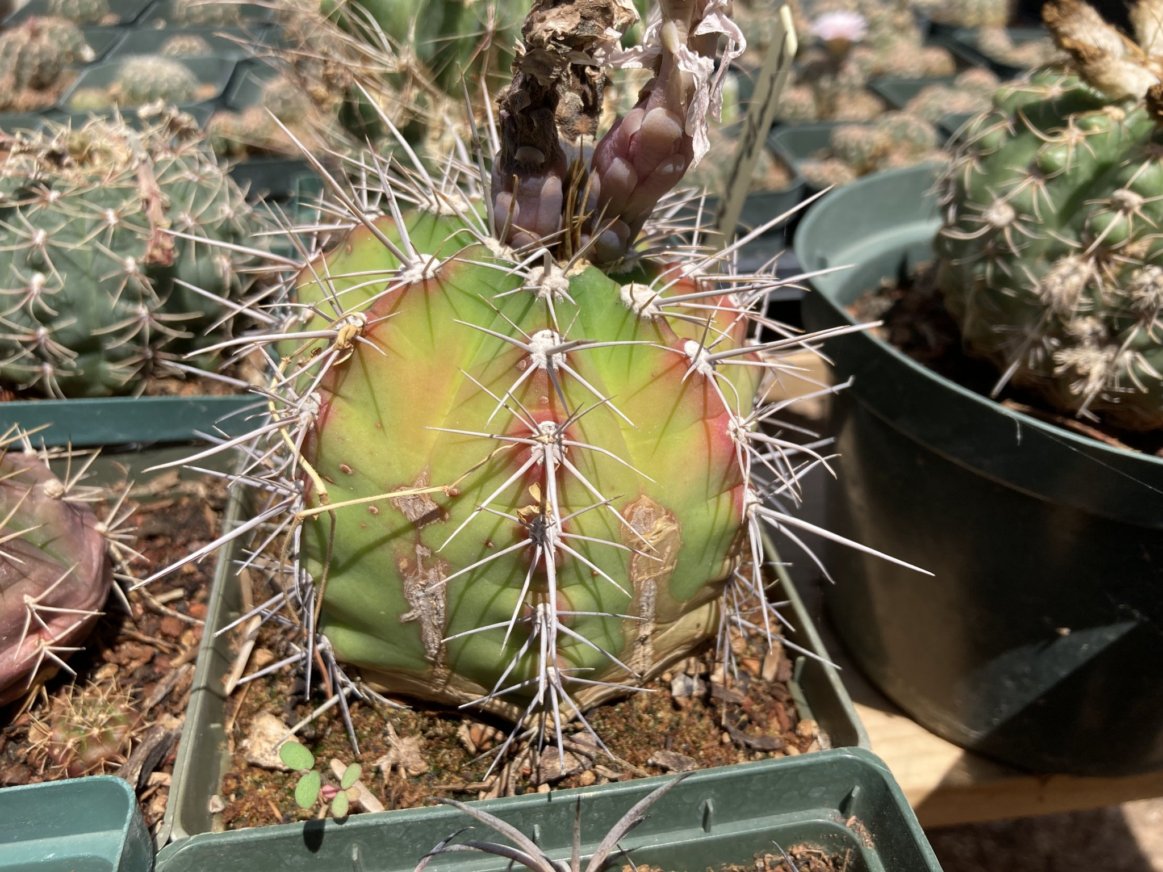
[(1038, 639)]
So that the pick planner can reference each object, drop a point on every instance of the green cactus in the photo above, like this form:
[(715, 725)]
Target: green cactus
[(83, 12), (1050, 251), (974, 13), (55, 572), (96, 290), (185, 45), (145, 79), (35, 57), (515, 452), (86, 730)]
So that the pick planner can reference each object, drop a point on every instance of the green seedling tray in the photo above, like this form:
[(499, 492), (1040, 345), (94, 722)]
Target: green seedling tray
[(843, 800), (80, 825), (203, 757), (103, 41), (212, 72), (1046, 545), (10, 122), (126, 11), (132, 421), (159, 14), (233, 43), (245, 88)]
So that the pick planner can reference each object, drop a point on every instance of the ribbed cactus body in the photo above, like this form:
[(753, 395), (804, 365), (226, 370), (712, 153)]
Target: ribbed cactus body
[(597, 486), (1050, 252), (54, 572), (95, 290)]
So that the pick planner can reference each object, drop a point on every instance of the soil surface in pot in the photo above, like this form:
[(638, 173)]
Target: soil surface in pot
[(694, 716), (121, 713), (916, 321), (798, 858)]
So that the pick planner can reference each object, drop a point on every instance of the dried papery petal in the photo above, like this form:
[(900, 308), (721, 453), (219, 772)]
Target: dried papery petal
[(1105, 58)]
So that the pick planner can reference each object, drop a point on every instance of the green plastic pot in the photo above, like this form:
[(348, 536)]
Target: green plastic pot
[(844, 801), (1038, 638), (132, 421), (80, 825), (202, 755)]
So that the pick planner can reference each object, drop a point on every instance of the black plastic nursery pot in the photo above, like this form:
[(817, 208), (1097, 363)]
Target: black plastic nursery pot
[(80, 825), (1036, 640), (203, 756), (843, 801)]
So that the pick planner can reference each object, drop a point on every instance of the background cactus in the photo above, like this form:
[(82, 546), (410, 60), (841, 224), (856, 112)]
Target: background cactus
[(1050, 250), (84, 12), (35, 57), (143, 79), (55, 573), (96, 293), (512, 448)]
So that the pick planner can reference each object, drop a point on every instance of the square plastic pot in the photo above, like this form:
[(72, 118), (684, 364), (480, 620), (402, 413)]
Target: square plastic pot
[(844, 801), (202, 755), (133, 421), (1031, 642), (80, 825)]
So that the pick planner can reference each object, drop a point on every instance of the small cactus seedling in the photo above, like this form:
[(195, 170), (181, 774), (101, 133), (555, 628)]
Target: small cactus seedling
[(143, 79), (101, 263), (86, 731), (1050, 250), (516, 455), (83, 12), (55, 566)]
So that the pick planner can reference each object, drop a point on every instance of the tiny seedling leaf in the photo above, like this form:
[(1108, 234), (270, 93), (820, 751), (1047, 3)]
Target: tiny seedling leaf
[(307, 790), (350, 775), (296, 756), (339, 805)]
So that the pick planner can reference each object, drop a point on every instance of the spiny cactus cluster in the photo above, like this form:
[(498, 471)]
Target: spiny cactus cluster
[(141, 80), (516, 456), (1050, 251), (85, 731), (36, 57), (83, 12), (969, 93), (974, 13), (56, 568), (109, 272), (896, 139)]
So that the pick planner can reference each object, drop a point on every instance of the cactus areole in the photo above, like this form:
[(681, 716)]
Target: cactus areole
[(1050, 255), (518, 453)]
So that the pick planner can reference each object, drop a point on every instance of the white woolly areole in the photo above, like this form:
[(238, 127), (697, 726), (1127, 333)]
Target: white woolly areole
[(424, 267), (641, 299), (550, 283), (541, 345), (700, 358)]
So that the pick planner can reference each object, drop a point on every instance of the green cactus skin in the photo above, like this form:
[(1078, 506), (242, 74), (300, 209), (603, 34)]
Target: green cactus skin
[(92, 286), (83, 12), (145, 79), (1050, 248), (449, 596), (54, 570)]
